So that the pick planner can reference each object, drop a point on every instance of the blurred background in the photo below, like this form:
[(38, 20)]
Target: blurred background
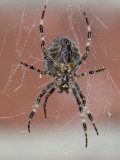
[(60, 136)]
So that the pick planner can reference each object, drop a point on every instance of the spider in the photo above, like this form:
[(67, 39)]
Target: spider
[(62, 60)]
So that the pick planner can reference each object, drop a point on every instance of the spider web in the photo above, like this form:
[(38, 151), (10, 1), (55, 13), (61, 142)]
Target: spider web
[(20, 87)]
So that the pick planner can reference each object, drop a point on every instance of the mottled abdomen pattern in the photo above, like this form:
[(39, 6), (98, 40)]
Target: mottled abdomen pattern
[(55, 51)]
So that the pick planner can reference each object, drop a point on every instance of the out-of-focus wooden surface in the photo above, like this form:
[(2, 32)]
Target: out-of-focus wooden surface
[(60, 136), (20, 41)]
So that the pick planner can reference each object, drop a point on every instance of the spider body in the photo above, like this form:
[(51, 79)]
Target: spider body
[(65, 52), (62, 60)]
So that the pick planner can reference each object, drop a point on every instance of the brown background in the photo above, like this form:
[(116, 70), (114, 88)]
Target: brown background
[(19, 87)]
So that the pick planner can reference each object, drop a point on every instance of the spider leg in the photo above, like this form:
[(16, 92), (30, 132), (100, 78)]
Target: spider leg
[(33, 68), (37, 70), (75, 93), (85, 105), (90, 72), (38, 101), (41, 29), (48, 57), (46, 98), (83, 58)]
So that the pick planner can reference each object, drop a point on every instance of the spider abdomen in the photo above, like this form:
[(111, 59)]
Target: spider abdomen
[(63, 50)]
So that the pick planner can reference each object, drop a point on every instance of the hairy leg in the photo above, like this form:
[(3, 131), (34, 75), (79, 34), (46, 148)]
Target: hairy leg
[(38, 101), (83, 58), (46, 98), (85, 105), (74, 90), (38, 70), (90, 72), (48, 57)]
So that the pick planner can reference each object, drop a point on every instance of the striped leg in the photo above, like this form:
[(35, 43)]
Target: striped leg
[(38, 70), (38, 101), (85, 105), (33, 68), (46, 98), (48, 57), (83, 58), (90, 72), (41, 29), (75, 93)]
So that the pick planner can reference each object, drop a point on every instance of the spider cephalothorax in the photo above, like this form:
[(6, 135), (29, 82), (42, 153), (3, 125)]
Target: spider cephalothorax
[(62, 60)]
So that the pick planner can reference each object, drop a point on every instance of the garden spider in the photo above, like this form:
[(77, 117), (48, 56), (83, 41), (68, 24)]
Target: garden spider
[(62, 60)]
